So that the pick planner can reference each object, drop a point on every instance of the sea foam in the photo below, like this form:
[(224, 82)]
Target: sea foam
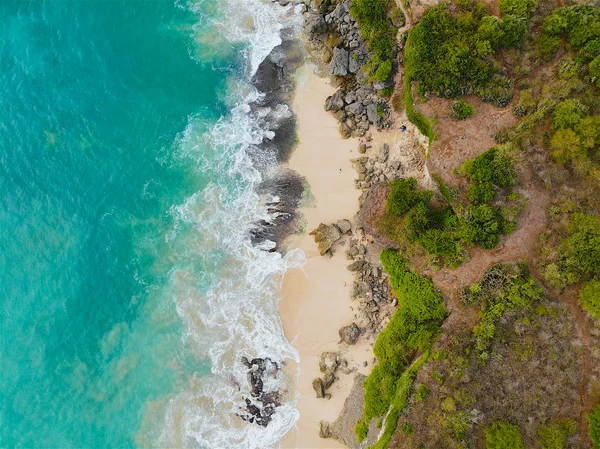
[(231, 310)]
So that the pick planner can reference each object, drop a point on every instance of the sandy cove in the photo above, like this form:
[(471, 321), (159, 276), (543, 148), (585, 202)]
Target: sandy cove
[(316, 299)]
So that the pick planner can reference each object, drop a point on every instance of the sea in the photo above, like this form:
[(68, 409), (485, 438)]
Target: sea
[(130, 163)]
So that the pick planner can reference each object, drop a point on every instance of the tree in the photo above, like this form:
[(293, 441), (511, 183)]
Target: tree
[(521, 8), (589, 297), (566, 146), (567, 114), (503, 435)]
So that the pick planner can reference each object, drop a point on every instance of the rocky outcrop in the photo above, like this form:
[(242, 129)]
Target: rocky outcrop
[(344, 226), (261, 406), (358, 103), (340, 62), (350, 334), (343, 428), (325, 236)]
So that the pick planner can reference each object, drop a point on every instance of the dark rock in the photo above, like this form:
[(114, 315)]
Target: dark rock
[(350, 334), (335, 102), (373, 114), (359, 265), (328, 380), (340, 62), (384, 152), (325, 236), (317, 385), (344, 226), (324, 430)]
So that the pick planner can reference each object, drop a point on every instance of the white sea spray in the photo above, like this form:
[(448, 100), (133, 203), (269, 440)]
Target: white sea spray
[(230, 310)]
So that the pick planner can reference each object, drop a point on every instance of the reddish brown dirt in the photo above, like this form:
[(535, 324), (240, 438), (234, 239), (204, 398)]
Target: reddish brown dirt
[(466, 139), (516, 246)]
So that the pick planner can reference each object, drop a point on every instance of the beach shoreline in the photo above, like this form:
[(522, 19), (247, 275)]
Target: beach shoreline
[(315, 300)]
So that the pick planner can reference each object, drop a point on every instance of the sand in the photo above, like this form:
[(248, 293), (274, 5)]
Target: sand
[(315, 300)]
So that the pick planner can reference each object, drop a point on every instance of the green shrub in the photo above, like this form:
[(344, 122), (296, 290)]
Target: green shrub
[(580, 23), (361, 430), (491, 166), (421, 393), (567, 114), (554, 435), (582, 246), (547, 46), (377, 30), (384, 71), (595, 70), (503, 435), (405, 195), (520, 8), (413, 328), (461, 110), (515, 31), (566, 146), (589, 297), (594, 431), (504, 287), (481, 193), (422, 123)]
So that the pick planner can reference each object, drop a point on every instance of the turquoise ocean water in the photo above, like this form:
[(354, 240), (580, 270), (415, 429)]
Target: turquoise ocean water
[(129, 287)]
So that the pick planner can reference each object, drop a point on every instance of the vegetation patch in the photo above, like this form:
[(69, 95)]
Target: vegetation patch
[(444, 227), (594, 421), (376, 28), (461, 110), (503, 435), (504, 287), (555, 434), (589, 297), (412, 330)]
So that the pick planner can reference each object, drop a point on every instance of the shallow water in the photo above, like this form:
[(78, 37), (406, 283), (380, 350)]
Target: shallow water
[(129, 286)]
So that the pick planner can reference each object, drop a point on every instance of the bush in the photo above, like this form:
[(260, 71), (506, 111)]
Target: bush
[(589, 297), (378, 32), (520, 8), (582, 246), (547, 46), (594, 420), (554, 436), (566, 146), (405, 195), (421, 393), (461, 110), (450, 54), (413, 327), (504, 287), (384, 71), (361, 430), (481, 193), (491, 167), (503, 435), (567, 114), (595, 70)]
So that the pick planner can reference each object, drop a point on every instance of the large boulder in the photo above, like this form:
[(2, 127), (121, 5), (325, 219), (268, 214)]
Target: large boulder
[(350, 334), (314, 24), (335, 102), (340, 62), (344, 226), (325, 236), (317, 385), (373, 113)]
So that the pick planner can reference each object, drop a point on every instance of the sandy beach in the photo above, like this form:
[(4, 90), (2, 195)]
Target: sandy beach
[(315, 300)]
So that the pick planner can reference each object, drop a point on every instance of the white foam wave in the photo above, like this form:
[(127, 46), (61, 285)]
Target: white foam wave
[(235, 313)]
